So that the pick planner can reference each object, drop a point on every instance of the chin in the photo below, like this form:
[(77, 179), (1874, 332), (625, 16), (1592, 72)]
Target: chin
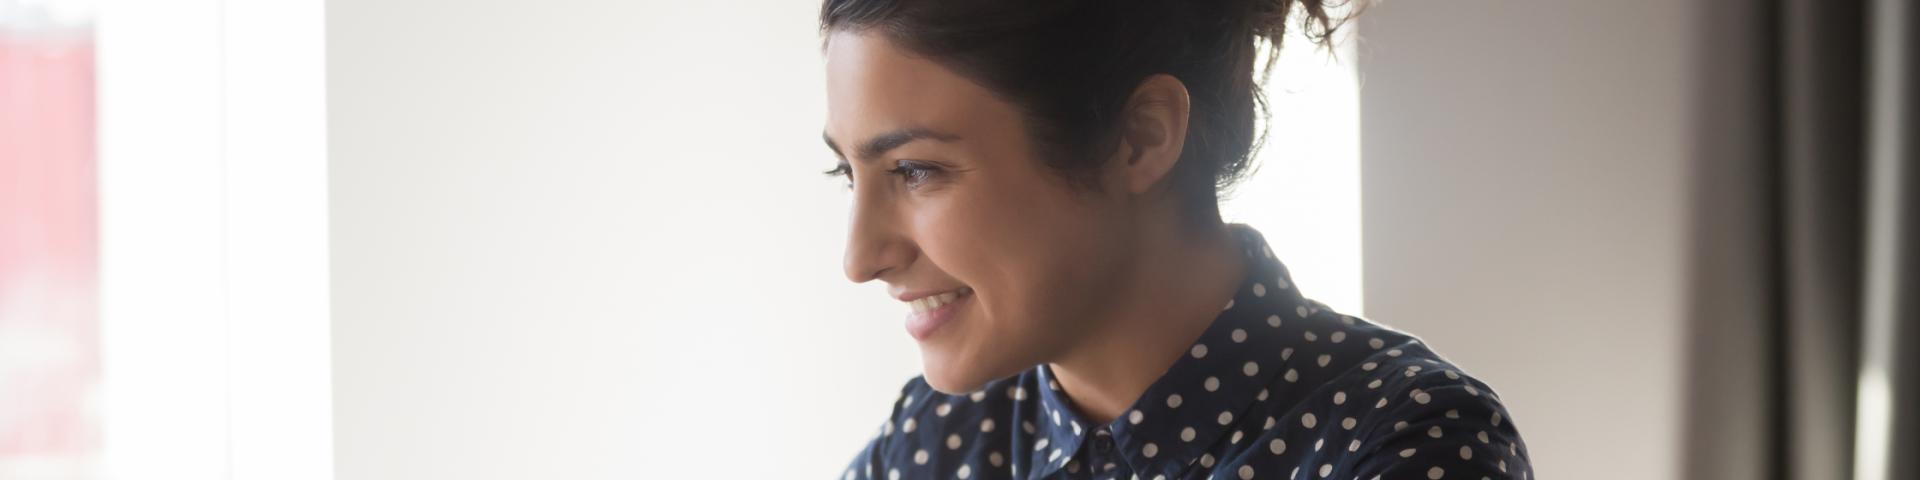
[(960, 376)]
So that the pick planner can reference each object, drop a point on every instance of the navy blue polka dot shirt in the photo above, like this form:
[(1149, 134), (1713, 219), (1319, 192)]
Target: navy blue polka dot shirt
[(1279, 386)]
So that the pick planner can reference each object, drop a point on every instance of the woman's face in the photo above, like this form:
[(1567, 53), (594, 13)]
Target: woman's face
[(953, 209)]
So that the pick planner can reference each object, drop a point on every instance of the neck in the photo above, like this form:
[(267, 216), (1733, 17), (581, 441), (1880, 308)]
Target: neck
[(1174, 291)]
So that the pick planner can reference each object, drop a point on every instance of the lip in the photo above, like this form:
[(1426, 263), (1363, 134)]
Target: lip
[(924, 325)]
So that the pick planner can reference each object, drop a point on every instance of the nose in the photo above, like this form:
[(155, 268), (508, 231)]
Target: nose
[(875, 244)]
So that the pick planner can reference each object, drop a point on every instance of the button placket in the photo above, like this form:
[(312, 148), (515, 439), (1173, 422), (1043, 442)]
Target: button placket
[(1100, 453)]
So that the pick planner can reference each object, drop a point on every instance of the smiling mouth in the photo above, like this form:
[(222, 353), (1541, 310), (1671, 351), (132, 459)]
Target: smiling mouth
[(932, 311), (930, 303)]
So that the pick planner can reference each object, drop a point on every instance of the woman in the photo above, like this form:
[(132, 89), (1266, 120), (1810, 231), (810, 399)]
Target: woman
[(1038, 180)]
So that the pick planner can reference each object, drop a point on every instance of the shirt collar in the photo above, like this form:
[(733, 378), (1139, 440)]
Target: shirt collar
[(1224, 372)]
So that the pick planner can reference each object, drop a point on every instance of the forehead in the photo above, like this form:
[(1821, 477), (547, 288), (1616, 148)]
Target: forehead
[(874, 86)]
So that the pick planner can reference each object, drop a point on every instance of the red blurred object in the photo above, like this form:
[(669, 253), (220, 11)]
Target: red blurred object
[(49, 322)]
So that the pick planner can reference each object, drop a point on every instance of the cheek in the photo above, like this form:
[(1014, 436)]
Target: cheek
[(1028, 249)]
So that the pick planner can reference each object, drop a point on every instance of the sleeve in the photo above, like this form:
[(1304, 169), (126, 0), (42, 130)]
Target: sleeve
[(873, 460), (1447, 426)]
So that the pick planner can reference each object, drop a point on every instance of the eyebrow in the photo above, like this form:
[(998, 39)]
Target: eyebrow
[(880, 144)]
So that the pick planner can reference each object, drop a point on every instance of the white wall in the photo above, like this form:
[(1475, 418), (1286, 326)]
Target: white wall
[(588, 239), (567, 235), (1528, 180)]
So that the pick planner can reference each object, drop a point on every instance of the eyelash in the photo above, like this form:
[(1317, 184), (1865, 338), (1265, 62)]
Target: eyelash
[(914, 173), (842, 170)]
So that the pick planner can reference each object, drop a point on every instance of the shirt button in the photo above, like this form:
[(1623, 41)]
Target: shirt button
[(1102, 442)]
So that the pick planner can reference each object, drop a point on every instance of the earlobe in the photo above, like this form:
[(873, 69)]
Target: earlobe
[(1153, 132)]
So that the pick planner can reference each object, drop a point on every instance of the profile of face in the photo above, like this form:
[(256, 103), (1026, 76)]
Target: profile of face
[(1002, 261)]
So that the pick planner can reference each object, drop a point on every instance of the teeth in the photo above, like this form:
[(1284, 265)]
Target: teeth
[(932, 302)]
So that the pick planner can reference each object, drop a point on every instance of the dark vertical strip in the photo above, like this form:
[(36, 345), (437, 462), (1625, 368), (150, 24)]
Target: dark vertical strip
[(1821, 156), (1772, 203)]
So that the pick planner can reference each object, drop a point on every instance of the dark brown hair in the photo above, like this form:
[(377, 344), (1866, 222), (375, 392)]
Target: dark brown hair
[(1070, 65)]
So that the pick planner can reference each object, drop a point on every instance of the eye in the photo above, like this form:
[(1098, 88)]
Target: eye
[(914, 173), (842, 170)]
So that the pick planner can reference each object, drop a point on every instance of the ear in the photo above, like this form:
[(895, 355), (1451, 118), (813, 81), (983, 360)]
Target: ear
[(1153, 130)]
